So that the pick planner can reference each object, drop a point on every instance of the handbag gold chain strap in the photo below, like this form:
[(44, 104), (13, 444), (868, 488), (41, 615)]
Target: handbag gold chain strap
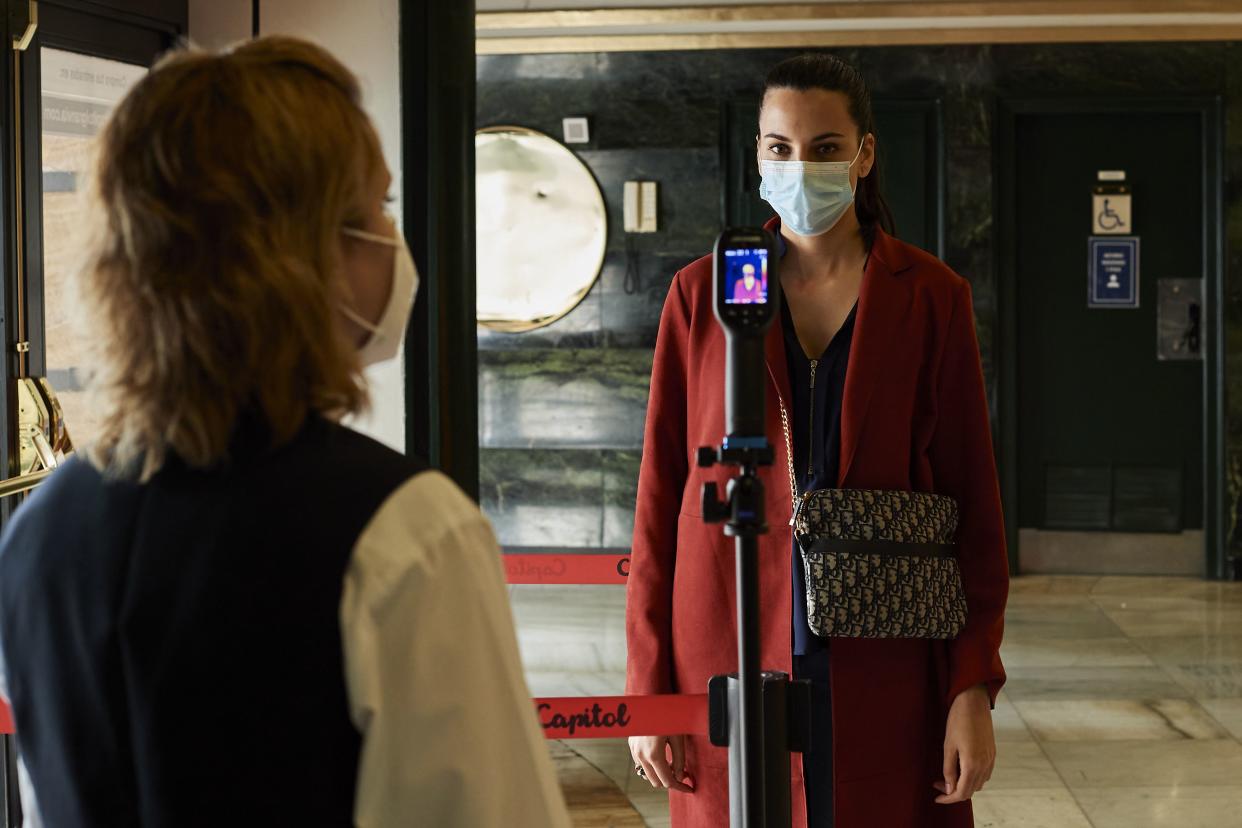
[(796, 499)]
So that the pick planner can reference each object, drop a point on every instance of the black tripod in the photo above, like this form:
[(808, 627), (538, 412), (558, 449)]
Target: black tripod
[(760, 717)]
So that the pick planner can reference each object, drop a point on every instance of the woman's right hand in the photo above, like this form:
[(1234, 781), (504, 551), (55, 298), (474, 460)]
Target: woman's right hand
[(663, 759)]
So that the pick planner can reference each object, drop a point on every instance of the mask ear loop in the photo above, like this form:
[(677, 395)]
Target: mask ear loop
[(857, 155), (356, 318), (350, 313), (388, 241)]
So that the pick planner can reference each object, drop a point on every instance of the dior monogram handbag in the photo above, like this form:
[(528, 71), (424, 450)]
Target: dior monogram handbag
[(879, 564)]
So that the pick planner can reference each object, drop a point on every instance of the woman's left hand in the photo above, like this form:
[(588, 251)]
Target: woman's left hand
[(969, 747)]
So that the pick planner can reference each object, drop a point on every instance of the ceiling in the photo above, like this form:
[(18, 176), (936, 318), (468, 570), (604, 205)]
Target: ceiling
[(547, 5), (524, 26)]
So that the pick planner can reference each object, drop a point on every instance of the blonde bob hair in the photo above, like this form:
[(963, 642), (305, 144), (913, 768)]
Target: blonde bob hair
[(213, 275)]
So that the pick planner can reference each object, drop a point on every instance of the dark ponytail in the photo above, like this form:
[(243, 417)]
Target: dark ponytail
[(820, 71)]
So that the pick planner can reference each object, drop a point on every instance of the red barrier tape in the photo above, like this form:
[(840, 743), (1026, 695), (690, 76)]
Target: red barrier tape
[(590, 717), (566, 569), (616, 717)]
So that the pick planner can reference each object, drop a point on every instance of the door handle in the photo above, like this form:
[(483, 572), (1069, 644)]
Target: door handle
[(1193, 327), (29, 24)]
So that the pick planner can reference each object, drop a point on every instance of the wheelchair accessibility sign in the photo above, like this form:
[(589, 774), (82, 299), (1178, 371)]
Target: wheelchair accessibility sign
[(1114, 272), (1111, 214)]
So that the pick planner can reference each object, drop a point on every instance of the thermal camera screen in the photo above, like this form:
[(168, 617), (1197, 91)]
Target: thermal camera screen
[(746, 276)]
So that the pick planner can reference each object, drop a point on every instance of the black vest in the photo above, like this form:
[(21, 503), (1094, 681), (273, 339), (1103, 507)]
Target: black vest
[(173, 649)]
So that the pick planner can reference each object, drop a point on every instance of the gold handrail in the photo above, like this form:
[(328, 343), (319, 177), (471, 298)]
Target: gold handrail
[(17, 485)]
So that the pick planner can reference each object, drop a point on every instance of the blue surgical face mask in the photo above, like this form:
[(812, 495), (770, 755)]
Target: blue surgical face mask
[(809, 196)]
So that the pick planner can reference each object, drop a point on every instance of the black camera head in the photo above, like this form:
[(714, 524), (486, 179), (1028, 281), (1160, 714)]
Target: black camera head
[(746, 281)]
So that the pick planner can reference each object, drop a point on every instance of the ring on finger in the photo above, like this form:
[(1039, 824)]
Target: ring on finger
[(642, 773)]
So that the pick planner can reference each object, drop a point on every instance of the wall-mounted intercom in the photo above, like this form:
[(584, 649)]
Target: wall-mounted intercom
[(642, 206)]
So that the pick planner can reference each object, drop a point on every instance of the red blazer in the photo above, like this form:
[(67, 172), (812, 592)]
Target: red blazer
[(914, 417)]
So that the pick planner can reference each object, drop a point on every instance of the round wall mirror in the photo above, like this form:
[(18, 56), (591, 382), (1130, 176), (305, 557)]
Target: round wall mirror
[(541, 228)]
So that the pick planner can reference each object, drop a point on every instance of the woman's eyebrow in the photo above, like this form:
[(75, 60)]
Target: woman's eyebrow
[(819, 137)]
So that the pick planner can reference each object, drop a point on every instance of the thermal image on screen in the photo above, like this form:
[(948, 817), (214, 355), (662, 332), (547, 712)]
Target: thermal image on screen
[(746, 276)]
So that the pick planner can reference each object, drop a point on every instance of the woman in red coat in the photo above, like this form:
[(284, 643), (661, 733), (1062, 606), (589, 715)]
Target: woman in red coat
[(877, 363)]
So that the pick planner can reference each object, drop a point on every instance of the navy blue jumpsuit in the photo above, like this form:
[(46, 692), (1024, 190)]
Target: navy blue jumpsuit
[(815, 421)]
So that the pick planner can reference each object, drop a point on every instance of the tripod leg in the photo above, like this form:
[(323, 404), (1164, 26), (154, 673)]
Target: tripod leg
[(778, 809), (750, 687), (11, 800)]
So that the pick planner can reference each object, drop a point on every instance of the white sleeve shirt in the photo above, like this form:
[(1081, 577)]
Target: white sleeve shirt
[(449, 734)]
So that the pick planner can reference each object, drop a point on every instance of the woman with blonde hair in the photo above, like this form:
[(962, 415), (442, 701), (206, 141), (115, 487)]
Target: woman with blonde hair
[(240, 611)]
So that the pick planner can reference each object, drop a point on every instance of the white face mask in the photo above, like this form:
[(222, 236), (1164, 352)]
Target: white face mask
[(809, 196), (389, 332)]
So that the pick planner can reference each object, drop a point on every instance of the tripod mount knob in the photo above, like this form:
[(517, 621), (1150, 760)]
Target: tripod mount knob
[(715, 510)]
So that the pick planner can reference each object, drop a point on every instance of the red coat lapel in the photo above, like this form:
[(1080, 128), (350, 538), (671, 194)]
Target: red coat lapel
[(884, 302), (774, 348), (778, 368)]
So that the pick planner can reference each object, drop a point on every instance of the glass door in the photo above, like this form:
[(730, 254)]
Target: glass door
[(77, 92), (70, 63)]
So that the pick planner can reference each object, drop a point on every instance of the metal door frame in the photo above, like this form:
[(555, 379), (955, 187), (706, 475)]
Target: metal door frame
[(437, 187)]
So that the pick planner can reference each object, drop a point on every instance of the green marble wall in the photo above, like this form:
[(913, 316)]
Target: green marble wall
[(561, 409)]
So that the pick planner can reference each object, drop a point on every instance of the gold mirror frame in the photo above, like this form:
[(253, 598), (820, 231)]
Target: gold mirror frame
[(541, 229)]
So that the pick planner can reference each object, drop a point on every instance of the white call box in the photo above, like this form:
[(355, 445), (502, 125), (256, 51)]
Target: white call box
[(641, 204)]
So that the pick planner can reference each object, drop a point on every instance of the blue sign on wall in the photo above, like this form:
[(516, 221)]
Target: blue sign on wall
[(1114, 272)]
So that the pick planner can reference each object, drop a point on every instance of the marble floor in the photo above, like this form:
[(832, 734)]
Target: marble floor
[(1123, 707)]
